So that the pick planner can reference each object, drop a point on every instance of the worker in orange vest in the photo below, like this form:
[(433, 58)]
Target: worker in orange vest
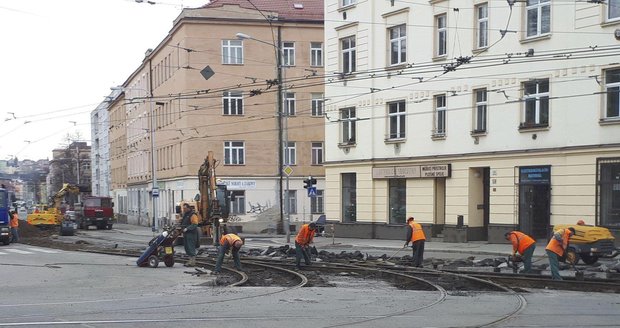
[(228, 242), (302, 243), (415, 235), (14, 227), (524, 245), (556, 248)]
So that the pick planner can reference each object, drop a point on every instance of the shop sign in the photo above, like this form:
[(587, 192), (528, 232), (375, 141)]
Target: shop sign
[(535, 174), (412, 172), (239, 184)]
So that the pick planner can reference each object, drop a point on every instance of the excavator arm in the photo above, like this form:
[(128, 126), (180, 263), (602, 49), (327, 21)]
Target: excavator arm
[(60, 195)]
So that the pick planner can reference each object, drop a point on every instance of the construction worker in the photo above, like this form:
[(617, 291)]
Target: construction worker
[(227, 242), (189, 224), (524, 245), (415, 235), (302, 243), (581, 222), (14, 227), (556, 248)]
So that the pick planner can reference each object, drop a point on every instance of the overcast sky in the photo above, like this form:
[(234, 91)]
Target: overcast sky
[(59, 59)]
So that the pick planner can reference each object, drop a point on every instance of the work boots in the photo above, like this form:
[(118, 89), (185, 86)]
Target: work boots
[(191, 262)]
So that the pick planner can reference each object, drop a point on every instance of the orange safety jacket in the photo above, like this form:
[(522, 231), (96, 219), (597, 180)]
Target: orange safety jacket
[(305, 235), (520, 241), (417, 233), (229, 238), (559, 241), (14, 221)]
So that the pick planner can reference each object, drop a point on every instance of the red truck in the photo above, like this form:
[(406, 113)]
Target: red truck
[(95, 211)]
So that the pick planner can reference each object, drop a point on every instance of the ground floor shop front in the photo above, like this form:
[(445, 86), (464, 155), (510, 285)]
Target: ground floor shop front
[(475, 197)]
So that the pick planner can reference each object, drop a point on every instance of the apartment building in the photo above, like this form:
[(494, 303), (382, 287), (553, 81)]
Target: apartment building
[(476, 117), (212, 84)]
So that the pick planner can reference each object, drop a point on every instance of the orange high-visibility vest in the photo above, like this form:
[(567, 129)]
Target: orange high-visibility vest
[(555, 245), (305, 235), (14, 221), (230, 238), (520, 241), (417, 232)]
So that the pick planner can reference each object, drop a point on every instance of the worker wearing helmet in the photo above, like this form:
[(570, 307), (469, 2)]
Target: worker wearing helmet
[(189, 224), (415, 235), (556, 249), (228, 242), (524, 245), (302, 243)]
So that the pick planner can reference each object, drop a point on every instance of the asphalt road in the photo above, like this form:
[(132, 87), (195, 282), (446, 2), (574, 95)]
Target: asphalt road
[(47, 287)]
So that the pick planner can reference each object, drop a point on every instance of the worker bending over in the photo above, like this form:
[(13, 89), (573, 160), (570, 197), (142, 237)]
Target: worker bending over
[(556, 248), (227, 242), (415, 235), (524, 245), (302, 243)]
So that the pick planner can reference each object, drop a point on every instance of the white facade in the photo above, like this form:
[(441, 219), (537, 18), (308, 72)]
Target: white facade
[(100, 149), (435, 83)]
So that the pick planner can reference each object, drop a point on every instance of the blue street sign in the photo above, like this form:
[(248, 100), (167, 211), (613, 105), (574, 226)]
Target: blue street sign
[(155, 192), (312, 192)]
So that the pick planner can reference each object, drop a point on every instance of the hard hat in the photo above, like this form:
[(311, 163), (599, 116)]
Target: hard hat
[(581, 222)]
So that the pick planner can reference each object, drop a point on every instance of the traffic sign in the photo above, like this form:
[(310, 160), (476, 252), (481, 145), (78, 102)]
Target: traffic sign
[(312, 192), (288, 170), (155, 192)]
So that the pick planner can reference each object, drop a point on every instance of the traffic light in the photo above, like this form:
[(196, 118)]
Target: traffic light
[(309, 183)]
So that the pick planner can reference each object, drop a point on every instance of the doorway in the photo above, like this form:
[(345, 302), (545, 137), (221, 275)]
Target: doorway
[(535, 201)]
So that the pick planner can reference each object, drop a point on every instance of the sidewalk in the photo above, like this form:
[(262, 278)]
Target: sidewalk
[(353, 244)]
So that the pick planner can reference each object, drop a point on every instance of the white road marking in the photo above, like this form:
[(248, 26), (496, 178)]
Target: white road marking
[(43, 250), (18, 251)]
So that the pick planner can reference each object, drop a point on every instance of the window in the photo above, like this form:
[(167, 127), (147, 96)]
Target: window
[(348, 2), (480, 112), (234, 153), (482, 26), (232, 52), (317, 104), (233, 103), (396, 119), (237, 202), (609, 192), (347, 118), (398, 199), (612, 86), (440, 115), (441, 41), (613, 9), (317, 153), (316, 203), (536, 109), (538, 17), (398, 45), (292, 201), (349, 197), (316, 54), (288, 53), (289, 103), (290, 152), (348, 54)]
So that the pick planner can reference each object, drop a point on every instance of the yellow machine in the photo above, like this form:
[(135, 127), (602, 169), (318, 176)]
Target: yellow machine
[(51, 215), (589, 243)]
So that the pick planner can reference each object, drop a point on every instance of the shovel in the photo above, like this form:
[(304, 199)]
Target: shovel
[(398, 251)]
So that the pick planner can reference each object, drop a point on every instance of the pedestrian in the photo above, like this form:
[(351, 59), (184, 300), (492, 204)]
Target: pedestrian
[(302, 243), (14, 227), (189, 224), (524, 245), (556, 249), (228, 242), (415, 235)]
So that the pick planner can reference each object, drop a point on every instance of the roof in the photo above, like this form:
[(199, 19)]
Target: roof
[(286, 9)]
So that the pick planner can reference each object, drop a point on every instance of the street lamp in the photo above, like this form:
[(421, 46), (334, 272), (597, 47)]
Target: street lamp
[(155, 188), (282, 130)]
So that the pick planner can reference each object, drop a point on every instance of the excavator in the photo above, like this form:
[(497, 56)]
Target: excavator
[(51, 215), (211, 204)]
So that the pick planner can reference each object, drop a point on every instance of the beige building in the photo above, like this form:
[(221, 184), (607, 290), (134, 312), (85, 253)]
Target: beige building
[(475, 117), (211, 88)]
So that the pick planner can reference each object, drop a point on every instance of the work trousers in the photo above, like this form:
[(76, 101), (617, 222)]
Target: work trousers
[(527, 258), (554, 265), (15, 235), (222, 250), (299, 252), (189, 242), (418, 253)]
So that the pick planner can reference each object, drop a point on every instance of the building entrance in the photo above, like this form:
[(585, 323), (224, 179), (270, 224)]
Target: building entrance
[(535, 201)]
